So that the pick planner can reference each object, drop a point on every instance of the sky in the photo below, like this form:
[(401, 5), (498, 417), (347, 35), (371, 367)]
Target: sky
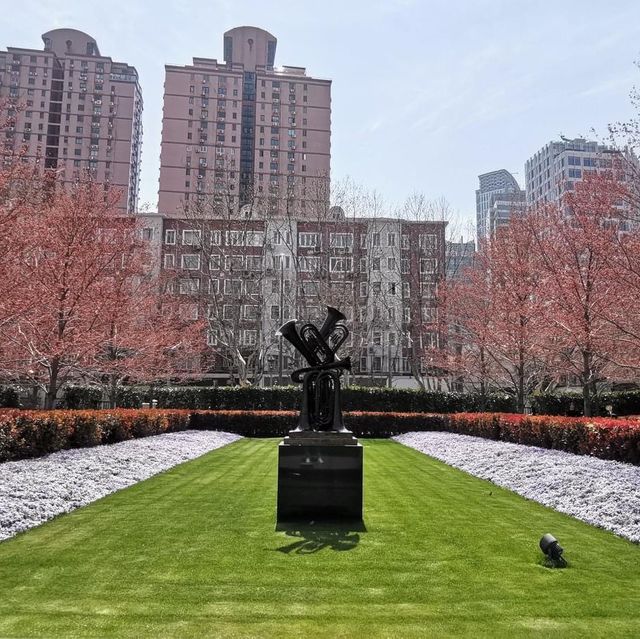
[(426, 95)]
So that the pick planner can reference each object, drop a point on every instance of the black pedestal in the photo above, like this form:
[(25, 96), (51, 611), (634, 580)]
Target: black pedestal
[(320, 477)]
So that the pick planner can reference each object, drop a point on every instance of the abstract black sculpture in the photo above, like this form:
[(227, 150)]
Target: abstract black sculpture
[(320, 462), (321, 409)]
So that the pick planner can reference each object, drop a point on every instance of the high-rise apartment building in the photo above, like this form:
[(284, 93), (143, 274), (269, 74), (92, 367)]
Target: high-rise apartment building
[(245, 135), (557, 166), (498, 195), (72, 109)]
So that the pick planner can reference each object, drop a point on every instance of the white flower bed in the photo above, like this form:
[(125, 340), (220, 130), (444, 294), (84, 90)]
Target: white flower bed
[(35, 490), (599, 492)]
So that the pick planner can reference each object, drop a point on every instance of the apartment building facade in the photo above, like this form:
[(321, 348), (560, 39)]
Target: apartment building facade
[(244, 278), (243, 135), (73, 110)]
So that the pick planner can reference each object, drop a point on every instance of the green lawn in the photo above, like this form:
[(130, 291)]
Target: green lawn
[(194, 553)]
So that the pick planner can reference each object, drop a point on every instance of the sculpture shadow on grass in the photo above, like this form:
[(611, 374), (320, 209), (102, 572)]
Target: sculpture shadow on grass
[(311, 538)]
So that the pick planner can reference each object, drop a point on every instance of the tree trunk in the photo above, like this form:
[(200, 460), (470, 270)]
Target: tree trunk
[(52, 386), (586, 383), (113, 391), (521, 383), (483, 383)]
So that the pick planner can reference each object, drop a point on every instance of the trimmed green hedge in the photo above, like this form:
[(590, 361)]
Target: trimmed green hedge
[(288, 398), (354, 398), (622, 403), (278, 423)]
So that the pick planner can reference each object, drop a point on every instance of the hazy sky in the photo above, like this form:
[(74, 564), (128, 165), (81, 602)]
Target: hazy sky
[(426, 95)]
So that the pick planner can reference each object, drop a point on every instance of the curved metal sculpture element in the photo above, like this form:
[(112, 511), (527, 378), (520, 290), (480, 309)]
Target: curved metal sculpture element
[(321, 409)]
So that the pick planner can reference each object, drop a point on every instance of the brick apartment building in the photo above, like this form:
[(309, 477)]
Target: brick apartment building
[(245, 278)]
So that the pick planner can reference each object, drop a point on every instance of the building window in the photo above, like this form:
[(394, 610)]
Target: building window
[(254, 262), (308, 239), (191, 237), (233, 263), (250, 311), (169, 260), (428, 242), (341, 264), (189, 287), (281, 237), (214, 286), (233, 287), (169, 236), (190, 262), (429, 314), (309, 264), (341, 240), (249, 337), (428, 265)]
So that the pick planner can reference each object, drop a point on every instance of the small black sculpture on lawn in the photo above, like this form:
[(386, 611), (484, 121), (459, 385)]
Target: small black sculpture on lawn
[(320, 462), (321, 408)]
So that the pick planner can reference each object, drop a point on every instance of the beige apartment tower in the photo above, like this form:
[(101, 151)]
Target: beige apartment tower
[(244, 136), (73, 110)]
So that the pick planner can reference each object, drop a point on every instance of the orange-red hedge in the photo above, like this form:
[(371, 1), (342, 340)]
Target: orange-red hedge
[(34, 433), (31, 433), (603, 437)]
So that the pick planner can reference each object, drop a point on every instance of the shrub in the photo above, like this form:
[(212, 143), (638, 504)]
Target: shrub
[(354, 398), (35, 433), (279, 423), (616, 439), (9, 397)]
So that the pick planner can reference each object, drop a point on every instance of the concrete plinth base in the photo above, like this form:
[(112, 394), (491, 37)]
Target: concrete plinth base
[(320, 477)]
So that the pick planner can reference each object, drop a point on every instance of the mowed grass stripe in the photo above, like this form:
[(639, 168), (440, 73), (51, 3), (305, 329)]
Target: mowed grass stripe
[(193, 552)]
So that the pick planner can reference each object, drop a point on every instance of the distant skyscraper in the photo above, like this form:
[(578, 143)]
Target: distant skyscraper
[(244, 133), (498, 195), (74, 110), (459, 257), (557, 166)]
